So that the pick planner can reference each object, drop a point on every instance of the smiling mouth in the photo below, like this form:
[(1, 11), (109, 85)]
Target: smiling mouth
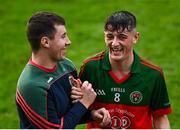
[(64, 49), (116, 49)]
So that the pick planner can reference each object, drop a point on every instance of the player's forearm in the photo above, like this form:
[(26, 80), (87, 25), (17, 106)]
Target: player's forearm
[(73, 117), (86, 117), (161, 122)]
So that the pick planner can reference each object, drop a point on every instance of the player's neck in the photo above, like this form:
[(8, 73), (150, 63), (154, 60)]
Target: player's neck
[(43, 59), (122, 66)]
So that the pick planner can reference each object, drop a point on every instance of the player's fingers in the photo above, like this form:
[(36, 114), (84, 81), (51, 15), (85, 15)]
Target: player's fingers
[(88, 87), (75, 101), (99, 117), (106, 119), (75, 97), (109, 116), (79, 82), (78, 93), (85, 84), (72, 80), (75, 82), (76, 89)]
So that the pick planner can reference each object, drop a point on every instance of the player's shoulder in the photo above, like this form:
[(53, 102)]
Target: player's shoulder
[(67, 63), (31, 79), (94, 58), (150, 67)]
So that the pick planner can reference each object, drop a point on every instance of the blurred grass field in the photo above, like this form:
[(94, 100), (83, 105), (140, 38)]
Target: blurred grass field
[(158, 23)]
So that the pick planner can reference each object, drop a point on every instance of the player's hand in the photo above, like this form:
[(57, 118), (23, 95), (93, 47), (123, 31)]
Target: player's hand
[(102, 116), (75, 82), (76, 93), (89, 94)]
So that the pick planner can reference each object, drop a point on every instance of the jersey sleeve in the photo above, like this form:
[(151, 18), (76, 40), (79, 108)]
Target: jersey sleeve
[(160, 104), (70, 119), (34, 108), (83, 74)]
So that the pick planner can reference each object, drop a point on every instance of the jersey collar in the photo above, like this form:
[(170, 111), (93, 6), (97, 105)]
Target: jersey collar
[(105, 61), (135, 66), (42, 67)]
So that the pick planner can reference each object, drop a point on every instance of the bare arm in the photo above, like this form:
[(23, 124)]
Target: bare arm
[(161, 122)]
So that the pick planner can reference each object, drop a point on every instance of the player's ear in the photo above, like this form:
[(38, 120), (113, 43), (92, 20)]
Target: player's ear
[(45, 42), (105, 39), (136, 37)]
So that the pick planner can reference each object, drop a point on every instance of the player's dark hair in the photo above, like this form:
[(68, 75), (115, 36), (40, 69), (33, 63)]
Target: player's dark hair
[(42, 24), (120, 20)]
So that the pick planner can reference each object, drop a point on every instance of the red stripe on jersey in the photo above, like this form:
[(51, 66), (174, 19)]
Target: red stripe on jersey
[(62, 123), (163, 111), (146, 63), (28, 114), (42, 67), (116, 79), (125, 116), (33, 114), (98, 56)]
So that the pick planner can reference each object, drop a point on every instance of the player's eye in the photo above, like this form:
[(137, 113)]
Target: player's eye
[(63, 36), (122, 37), (109, 36)]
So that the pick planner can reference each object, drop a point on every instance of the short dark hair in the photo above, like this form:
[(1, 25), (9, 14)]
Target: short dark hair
[(120, 20), (42, 24)]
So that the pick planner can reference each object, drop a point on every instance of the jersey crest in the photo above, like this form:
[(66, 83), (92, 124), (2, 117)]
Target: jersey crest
[(136, 97)]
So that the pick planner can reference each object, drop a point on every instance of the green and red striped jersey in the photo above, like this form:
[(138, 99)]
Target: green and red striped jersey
[(132, 100), (43, 97)]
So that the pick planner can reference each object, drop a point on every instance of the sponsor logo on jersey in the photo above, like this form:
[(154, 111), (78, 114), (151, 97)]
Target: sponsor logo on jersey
[(120, 122), (50, 79), (121, 112), (121, 90), (136, 97), (63, 69), (100, 92)]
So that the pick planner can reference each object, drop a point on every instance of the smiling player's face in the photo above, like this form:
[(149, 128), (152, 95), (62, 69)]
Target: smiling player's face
[(120, 44), (59, 43)]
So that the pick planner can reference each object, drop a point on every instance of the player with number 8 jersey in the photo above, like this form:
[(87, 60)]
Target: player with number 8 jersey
[(130, 88), (132, 100)]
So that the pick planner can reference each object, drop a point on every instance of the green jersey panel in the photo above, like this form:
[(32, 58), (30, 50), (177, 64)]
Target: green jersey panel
[(34, 83), (144, 87)]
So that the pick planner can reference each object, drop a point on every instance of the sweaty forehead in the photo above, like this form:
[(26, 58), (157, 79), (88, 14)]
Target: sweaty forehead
[(116, 32), (119, 30), (116, 28)]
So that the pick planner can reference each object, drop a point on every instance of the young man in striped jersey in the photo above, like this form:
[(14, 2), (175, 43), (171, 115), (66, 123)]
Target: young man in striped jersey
[(43, 89), (130, 88)]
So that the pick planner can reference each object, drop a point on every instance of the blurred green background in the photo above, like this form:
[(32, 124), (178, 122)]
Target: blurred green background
[(158, 23)]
